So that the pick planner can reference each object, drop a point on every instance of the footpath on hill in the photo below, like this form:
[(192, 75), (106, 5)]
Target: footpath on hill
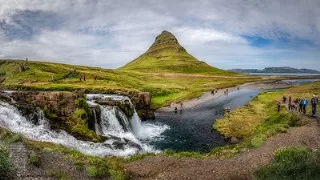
[(239, 167)]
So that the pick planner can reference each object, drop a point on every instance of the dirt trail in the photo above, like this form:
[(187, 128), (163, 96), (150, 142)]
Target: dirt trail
[(238, 167)]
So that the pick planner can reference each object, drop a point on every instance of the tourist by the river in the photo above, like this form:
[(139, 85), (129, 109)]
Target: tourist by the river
[(304, 105), (290, 103), (284, 99), (278, 106), (314, 102), (300, 105)]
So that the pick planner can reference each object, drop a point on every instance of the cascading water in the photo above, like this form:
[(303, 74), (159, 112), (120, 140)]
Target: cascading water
[(113, 124)]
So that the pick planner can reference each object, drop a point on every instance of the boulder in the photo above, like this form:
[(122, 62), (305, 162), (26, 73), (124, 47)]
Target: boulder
[(234, 140)]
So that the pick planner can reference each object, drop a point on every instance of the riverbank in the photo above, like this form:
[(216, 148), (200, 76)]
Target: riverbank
[(207, 96), (241, 166), (261, 131)]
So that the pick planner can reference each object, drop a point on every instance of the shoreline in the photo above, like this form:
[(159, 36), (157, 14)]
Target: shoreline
[(207, 96)]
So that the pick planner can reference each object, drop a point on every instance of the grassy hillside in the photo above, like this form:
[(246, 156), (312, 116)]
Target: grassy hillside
[(167, 55), (165, 87)]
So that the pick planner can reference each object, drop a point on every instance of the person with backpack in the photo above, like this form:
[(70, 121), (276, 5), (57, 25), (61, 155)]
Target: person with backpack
[(314, 102)]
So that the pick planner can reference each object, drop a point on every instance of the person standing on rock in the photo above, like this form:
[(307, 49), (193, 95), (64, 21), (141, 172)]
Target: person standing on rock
[(314, 102), (305, 104)]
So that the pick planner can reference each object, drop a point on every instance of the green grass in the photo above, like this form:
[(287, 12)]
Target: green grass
[(165, 87), (293, 163), (6, 167)]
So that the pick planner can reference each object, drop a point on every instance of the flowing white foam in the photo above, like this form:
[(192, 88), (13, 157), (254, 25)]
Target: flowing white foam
[(11, 119), (127, 134)]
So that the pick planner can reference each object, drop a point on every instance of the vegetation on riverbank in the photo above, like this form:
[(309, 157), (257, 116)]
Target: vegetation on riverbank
[(291, 163), (259, 119)]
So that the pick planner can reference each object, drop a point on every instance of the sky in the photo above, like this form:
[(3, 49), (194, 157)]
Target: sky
[(110, 33)]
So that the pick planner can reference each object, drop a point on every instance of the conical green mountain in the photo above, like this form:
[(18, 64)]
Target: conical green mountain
[(167, 55)]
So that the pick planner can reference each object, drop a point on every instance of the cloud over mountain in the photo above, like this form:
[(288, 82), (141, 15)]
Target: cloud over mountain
[(226, 34)]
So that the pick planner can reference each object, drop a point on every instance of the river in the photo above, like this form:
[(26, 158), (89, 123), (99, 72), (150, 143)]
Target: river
[(191, 129)]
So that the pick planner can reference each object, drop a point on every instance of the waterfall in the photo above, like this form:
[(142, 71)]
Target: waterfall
[(124, 136), (114, 122)]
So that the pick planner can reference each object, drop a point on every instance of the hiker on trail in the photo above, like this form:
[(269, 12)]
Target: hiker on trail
[(84, 77), (238, 88), (300, 105), (94, 77), (181, 104), (314, 102), (304, 105), (290, 105), (284, 99), (80, 77)]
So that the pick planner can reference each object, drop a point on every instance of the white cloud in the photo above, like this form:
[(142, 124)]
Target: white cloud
[(111, 33)]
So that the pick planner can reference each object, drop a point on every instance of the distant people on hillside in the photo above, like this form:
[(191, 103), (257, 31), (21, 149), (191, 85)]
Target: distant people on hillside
[(212, 92), (304, 105), (84, 77), (80, 78), (314, 102), (94, 78)]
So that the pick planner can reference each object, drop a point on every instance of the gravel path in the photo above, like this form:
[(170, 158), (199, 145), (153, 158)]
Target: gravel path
[(239, 167), (54, 165)]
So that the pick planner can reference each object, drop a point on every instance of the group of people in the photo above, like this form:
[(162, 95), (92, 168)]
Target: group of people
[(300, 104), (83, 77)]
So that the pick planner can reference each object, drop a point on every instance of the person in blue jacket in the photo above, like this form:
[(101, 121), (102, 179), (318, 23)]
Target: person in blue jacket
[(304, 105)]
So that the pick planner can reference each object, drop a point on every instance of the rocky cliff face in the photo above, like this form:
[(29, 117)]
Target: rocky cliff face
[(70, 112)]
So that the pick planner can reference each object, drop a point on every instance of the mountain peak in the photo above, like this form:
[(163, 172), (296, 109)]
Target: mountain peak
[(165, 40), (167, 55)]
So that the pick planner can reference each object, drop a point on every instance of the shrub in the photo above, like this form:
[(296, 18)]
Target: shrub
[(98, 170), (92, 171), (291, 163), (34, 158), (6, 167)]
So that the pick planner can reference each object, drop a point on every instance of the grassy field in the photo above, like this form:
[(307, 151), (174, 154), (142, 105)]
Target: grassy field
[(165, 87)]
